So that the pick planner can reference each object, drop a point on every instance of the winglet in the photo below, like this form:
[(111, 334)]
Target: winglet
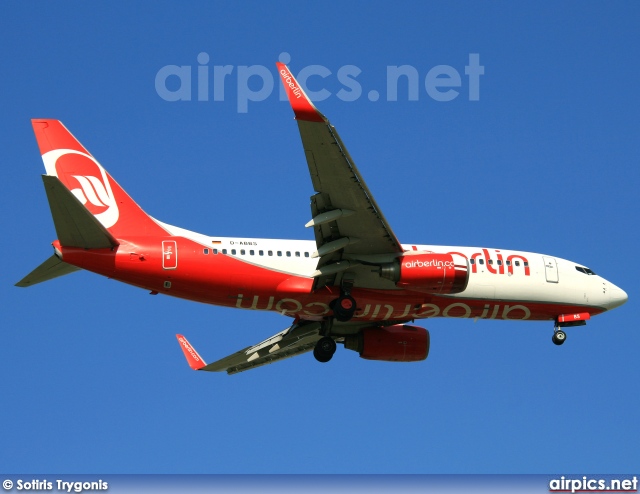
[(300, 102), (195, 361)]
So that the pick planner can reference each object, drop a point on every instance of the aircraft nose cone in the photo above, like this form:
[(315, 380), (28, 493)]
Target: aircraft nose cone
[(618, 297)]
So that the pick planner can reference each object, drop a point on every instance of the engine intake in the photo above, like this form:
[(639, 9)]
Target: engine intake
[(399, 343), (428, 273)]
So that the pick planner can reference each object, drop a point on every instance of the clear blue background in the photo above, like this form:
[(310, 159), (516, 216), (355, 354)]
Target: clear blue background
[(91, 376)]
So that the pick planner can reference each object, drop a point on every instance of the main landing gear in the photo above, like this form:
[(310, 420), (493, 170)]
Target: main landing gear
[(324, 349), (559, 336), (344, 307)]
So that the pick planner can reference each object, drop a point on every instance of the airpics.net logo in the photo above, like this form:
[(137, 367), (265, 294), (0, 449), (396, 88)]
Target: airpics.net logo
[(250, 84)]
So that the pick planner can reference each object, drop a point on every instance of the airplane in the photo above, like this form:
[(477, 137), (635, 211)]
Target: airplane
[(356, 284)]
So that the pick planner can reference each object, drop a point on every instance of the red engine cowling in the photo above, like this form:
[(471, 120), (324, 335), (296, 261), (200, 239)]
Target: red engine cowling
[(429, 273), (399, 343)]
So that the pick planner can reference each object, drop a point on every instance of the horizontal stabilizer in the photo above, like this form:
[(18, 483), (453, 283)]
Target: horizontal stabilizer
[(49, 269), (75, 225)]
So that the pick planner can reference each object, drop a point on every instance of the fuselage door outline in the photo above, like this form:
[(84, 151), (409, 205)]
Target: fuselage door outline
[(551, 269), (169, 254)]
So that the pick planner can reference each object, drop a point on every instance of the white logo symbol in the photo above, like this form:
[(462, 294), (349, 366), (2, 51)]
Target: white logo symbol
[(95, 190), (92, 191)]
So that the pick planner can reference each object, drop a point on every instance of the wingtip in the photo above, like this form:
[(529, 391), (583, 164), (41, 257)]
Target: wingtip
[(302, 106), (194, 360)]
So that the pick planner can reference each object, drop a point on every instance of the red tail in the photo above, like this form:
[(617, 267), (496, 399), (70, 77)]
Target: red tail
[(65, 158)]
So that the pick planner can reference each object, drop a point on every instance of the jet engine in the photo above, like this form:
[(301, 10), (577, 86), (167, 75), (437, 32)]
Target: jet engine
[(428, 273), (398, 343)]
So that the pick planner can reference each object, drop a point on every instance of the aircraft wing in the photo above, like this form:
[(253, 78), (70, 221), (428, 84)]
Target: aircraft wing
[(295, 340), (347, 221)]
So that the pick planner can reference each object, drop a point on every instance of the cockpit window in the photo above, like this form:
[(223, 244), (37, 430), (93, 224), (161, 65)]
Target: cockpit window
[(585, 270)]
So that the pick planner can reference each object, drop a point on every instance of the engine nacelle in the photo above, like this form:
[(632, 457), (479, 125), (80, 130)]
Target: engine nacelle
[(428, 273), (399, 343)]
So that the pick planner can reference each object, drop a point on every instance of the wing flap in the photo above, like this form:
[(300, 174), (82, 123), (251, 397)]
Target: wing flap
[(295, 340), (292, 341)]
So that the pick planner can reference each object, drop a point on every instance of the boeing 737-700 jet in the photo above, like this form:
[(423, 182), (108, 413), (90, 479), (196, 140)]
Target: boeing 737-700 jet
[(356, 284)]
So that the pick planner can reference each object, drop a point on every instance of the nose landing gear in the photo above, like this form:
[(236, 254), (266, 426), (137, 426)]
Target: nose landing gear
[(567, 321), (559, 336)]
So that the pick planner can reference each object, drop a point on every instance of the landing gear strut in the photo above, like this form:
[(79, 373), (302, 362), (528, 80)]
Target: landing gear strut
[(344, 307), (559, 336), (324, 349)]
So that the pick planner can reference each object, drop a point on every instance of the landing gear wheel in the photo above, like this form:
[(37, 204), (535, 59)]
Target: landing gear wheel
[(324, 349), (559, 337), (344, 307)]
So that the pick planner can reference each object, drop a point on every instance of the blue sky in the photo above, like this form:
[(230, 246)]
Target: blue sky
[(91, 376)]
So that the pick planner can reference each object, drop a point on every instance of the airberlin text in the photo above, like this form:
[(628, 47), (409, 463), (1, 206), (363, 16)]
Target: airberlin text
[(384, 312), (189, 349), (514, 260), (429, 264), (290, 81)]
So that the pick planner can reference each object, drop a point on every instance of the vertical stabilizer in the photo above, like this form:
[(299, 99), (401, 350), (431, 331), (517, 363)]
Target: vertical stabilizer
[(64, 157)]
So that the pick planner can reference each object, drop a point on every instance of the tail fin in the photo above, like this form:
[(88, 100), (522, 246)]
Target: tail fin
[(75, 227), (64, 157)]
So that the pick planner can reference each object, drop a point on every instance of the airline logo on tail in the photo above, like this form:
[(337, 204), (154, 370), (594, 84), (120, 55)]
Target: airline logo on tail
[(87, 180)]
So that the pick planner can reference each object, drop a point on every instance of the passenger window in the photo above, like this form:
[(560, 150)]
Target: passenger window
[(288, 253), (526, 264), (279, 253), (206, 251), (233, 252), (215, 251), (261, 252), (297, 254), (499, 262), (306, 254), (242, 252), (472, 261), (270, 252), (517, 263), (224, 251), (251, 252), (491, 261), (481, 261), (508, 263)]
